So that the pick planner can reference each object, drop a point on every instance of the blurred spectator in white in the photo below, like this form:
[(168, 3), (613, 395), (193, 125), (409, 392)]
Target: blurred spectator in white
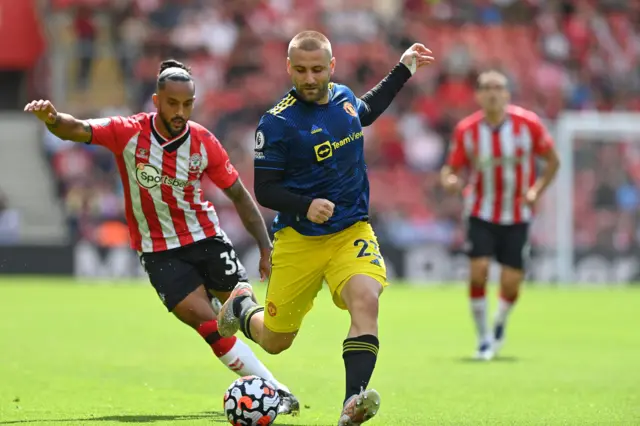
[(9, 222)]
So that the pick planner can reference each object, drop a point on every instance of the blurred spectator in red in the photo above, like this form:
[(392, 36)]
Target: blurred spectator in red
[(85, 32)]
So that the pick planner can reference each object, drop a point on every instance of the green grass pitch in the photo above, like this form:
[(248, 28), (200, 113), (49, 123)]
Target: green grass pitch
[(101, 354)]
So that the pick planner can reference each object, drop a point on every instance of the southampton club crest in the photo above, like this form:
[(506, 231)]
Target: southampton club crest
[(195, 163)]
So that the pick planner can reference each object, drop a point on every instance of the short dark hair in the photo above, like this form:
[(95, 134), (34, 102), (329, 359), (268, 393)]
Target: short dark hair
[(308, 41), (489, 74), (172, 70)]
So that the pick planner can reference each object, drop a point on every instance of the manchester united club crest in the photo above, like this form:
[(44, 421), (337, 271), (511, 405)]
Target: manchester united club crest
[(271, 309), (195, 163), (348, 107)]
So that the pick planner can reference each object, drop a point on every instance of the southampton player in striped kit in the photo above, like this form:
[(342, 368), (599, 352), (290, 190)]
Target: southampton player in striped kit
[(162, 158), (499, 144)]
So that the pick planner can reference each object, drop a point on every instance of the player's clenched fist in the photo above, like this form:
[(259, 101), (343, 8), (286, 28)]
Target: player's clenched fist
[(320, 210), (452, 184), (44, 110)]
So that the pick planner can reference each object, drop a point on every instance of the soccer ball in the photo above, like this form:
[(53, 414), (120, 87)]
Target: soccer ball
[(251, 401)]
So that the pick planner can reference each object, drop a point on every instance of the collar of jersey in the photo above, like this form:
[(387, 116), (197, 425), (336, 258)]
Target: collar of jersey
[(295, 94), (170, 145), (498, 127)]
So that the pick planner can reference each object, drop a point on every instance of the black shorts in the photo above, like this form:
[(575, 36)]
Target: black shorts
[(211, 262), (508, 244)]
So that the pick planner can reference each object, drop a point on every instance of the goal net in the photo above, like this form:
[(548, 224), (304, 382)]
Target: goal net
[(587, 229)]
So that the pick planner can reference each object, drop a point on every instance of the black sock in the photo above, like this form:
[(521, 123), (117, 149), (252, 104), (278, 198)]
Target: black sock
[(245, 319), (241, 305), (244, 308), (359, 354)]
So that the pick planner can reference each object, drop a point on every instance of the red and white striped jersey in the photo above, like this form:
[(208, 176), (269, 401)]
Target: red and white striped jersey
[(164, 204), (502, 163)]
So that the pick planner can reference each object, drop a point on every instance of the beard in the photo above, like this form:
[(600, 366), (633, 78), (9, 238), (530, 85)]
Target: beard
[(169, 126), (321, 91)]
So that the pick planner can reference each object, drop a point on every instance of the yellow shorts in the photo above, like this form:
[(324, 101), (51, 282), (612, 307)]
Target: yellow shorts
[(300, 264)]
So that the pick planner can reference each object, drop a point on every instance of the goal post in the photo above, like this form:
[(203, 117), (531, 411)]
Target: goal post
[(602, 127)]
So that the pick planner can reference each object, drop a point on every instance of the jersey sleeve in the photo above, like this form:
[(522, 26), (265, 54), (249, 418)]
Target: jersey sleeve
[(113, 132), (542, 140), (362, 107), (458, 157), (219, 167), (271, 147)]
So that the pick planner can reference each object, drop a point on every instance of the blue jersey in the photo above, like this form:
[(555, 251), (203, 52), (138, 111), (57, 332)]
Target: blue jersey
[(320, 148)]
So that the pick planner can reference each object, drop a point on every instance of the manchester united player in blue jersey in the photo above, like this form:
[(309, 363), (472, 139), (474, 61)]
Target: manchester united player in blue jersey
[(309, 166)]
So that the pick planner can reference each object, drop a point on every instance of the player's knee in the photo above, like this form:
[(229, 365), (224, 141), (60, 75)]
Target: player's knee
[(511, 278), (277, 345), (364, 303), (479, 272)]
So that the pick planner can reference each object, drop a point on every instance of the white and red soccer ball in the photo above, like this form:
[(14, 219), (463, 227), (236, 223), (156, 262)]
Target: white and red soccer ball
[(251, 401)]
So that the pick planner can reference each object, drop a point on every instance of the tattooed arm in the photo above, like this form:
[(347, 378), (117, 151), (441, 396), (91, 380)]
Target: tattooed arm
[(250, 214), (64, 126)]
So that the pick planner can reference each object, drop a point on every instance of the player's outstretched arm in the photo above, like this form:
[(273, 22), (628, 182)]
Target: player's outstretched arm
[(378, 99), (64, 126)]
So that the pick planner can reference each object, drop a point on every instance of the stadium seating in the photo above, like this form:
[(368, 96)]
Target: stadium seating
[(556, 59)]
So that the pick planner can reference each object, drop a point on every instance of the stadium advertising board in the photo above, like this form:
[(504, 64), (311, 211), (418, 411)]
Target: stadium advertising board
[(428, 264), (36, 260)]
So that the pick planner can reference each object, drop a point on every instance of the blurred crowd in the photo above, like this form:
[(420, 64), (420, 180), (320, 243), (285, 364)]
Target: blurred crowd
[(557, 54)]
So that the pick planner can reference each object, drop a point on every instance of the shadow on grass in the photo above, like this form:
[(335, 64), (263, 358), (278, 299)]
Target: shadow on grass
[(131, 418), (215, 417), (499, 359)]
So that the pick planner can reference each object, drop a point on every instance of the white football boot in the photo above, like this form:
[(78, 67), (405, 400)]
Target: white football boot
[(498, 338), (484, 351)]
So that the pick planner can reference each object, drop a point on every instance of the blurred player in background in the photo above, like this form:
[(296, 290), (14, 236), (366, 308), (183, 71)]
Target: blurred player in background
[(309, 166), (162, 158), (499, 146)]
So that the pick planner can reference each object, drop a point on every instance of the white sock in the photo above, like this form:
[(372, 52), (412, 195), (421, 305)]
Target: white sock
[(504, 308), (479, 312), (242, 361)]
